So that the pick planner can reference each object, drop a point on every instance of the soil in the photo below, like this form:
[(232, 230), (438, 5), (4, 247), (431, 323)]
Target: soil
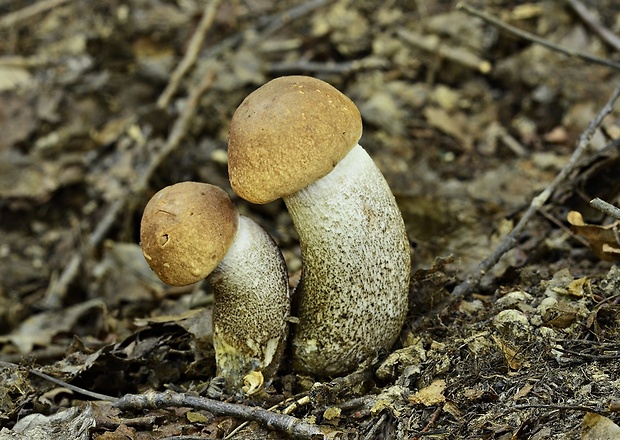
[(468, 123)]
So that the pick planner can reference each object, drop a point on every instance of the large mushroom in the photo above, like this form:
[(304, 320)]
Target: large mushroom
[(296, 138), (192, 230)]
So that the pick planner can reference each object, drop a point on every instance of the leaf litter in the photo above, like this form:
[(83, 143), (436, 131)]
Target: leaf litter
[(467, 122)]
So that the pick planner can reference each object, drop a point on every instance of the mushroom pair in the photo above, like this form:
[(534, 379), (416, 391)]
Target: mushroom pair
[(191, 231), (296, 138)]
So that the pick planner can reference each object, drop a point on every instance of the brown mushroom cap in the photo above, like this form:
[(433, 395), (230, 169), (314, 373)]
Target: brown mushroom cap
[(186, 230), (287, 134)]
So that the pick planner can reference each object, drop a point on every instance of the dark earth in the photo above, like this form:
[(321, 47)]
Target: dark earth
[(104, 103)]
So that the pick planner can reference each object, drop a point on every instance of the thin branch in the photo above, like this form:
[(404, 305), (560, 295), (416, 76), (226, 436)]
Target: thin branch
[(594, 357), (510, 240), (57, 290), (339, 68), (64, 384), (193, 49), (376, 426), (560, 407), (592, 22), (266, 26), (606, 208), (179, 129), (13, 18), (432, 44), (535, 39), (284, 423)]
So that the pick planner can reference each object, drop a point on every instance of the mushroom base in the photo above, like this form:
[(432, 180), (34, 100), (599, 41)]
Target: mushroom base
[(352, 297), (252, 306)]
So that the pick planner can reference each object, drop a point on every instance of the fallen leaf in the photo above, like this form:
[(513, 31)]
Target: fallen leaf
[(431, 395), (513, 358), (41, 329), (597, 427), (602, 239)]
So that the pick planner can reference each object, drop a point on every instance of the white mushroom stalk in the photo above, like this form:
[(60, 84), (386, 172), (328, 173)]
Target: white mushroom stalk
[(352, 297), (251, 305), (192, 230), (296, 138)]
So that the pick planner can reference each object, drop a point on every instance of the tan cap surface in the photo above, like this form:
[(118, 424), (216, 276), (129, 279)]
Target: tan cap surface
[(287, 134), (186, 230)]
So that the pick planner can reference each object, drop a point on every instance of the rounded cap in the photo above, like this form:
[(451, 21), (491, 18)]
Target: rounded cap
[(186, 230), (287, 134)]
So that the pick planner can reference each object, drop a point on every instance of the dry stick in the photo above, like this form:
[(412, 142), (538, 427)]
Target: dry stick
[(152, 400), (510, 240), (12, 18), (193, 49), (56, 290), (62, 383), (288, 424), (340, 68), (455, 54), (535, 39), (592, 22), (266, 26), (606, 208), (372, 433), (179, 129)]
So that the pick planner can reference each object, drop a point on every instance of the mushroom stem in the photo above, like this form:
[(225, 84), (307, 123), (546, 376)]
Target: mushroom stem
[(191, 231), (250, 311), (352, 297)]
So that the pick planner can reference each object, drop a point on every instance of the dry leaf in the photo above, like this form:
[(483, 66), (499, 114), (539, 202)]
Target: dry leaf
[(578, 287), (602, 239), (514, 360), (40, 330), (597, 427), (431, 395)]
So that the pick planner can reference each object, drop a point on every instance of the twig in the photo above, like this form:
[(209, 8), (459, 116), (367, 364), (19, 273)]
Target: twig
[(281, 20), (12, 18), (560, 407), (376, 426), (266, 26), (339, 68), (535, 39), (179, 129), (298, 403), (594, 357), (323, 393), (606, 208), (510, 240), (232, 433), (457, 55), (288, 424), (592, 22), (430, 423), (56, 290), (64, 384), (208, 16)]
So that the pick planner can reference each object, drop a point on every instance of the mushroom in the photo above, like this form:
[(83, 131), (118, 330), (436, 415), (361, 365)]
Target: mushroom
[(192, 230), (296, 138)]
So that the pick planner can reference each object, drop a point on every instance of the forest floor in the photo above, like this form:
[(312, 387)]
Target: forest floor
[(469, 123)]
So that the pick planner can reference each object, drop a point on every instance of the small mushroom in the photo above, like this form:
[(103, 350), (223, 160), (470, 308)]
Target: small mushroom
[(192, 230), (296, 137)]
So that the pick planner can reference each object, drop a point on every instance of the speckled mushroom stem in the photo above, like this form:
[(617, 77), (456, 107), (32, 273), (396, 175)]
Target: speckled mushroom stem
[(352, 298), (191, 231), (250, 312)]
